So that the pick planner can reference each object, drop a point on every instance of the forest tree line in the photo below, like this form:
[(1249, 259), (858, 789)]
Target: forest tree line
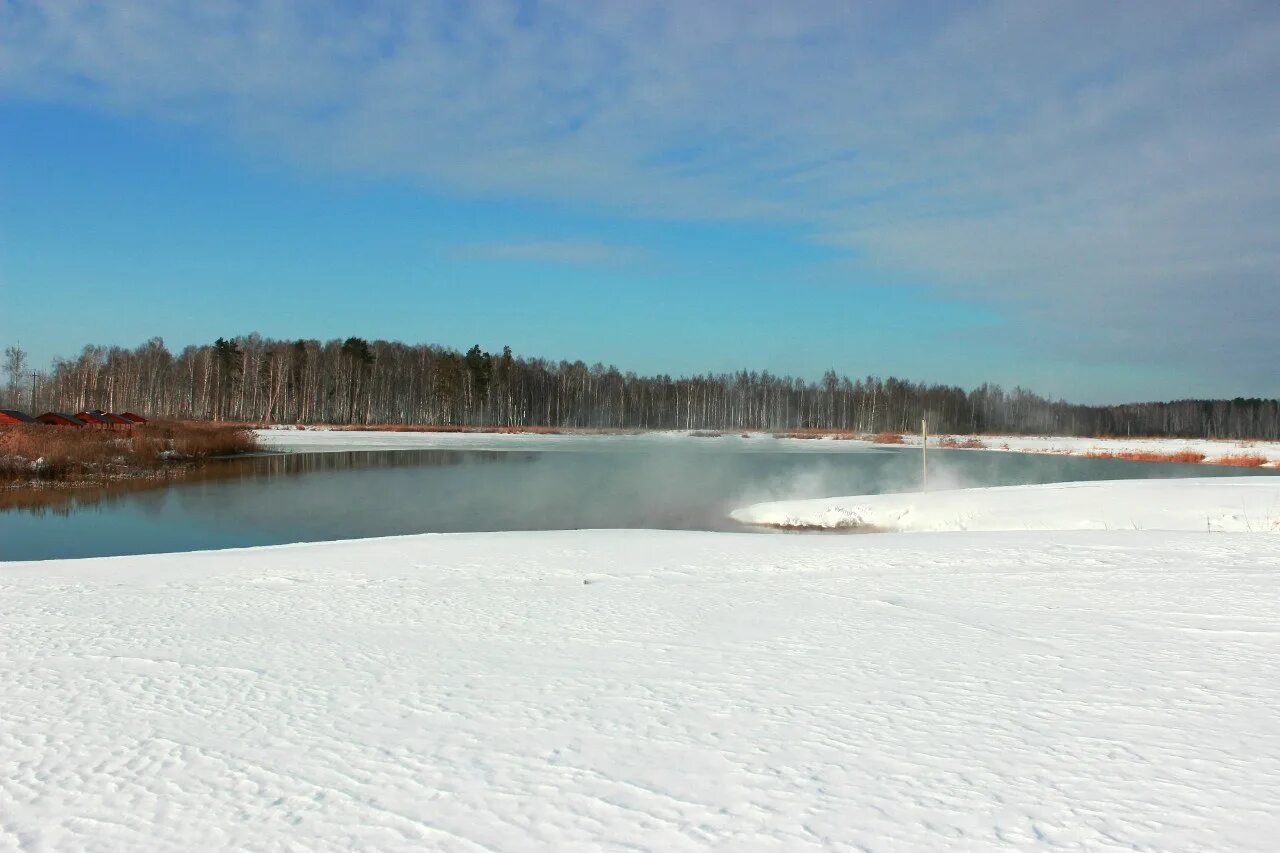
[(355, 381)]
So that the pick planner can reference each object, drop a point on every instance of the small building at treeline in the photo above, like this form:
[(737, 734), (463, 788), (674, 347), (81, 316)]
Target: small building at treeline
[(60, 419), (93, 418), (9, 417)]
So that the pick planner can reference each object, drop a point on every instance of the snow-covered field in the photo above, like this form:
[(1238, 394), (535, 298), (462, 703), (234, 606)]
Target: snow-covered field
[(1087, 690), (1234, 504)]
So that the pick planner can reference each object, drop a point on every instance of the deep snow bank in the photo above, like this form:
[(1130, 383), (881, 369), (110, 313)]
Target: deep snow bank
[(1237, 504), (738, 692)]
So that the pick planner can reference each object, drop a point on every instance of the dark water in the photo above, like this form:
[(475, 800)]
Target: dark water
[(323, 496)]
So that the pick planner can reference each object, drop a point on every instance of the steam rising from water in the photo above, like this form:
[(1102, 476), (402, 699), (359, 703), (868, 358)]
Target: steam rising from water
[(687, 484)]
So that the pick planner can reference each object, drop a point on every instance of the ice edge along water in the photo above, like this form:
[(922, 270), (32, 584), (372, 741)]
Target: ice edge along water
[(1096, 689)]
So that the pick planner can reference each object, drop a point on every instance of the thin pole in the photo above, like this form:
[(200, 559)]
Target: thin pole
[(924, 450)]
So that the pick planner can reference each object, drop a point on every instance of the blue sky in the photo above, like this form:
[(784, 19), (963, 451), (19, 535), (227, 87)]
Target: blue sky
[(1082, 200)]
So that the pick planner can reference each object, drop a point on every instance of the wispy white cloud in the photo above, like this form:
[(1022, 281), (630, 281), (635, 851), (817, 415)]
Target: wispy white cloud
[(1108, 169)]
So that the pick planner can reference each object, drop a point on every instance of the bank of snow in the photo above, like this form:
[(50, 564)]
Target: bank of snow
[(1236, 504), (1213, 450), (1086, 690)]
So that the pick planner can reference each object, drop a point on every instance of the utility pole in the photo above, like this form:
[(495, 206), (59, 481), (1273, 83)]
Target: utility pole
[(34, 374), (924, 451)]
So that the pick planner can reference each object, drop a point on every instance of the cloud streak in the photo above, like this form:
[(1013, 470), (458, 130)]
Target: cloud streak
[(1108, 172)]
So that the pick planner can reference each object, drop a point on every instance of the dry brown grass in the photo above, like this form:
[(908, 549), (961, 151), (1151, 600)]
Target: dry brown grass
[(1186, 457), (970, 443), (196, 439), (1240, 460), (887, 438), (62, 449), (55, 452)]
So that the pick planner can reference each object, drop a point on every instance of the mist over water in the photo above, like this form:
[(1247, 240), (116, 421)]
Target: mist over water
[(692, 484)]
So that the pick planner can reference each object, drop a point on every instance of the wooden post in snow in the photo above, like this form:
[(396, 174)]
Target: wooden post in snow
[(924, 451)]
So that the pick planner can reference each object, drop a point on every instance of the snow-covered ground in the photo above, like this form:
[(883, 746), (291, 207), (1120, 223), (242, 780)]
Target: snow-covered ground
[(1083, 690), (1235, 504), (319, 440), (1212, 449), (322, 440)]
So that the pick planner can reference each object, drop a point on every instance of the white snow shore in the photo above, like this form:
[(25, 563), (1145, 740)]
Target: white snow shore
[(321, 439), (1211, 449), (978, 691), (1222, 504)]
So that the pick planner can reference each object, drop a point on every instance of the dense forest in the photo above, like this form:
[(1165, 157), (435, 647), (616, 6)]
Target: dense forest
[(356, 381)]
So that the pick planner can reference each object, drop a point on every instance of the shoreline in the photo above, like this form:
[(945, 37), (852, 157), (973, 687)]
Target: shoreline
[(37, 458), (33, 490), (1206, 451)]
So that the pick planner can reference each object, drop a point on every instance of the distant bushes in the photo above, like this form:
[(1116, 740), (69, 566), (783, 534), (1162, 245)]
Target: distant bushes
[(1240, 460), (1185, 457), (49, 451), (887, 438), (41, 452), (970, 443), (194, 439)]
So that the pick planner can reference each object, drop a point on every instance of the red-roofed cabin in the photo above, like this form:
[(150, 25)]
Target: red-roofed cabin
[(94, 418), (117, 421), (59, 419), (13, 416), (132, 418)]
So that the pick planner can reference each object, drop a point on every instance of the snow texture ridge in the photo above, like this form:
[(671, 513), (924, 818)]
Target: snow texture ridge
[(1082, 690)]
